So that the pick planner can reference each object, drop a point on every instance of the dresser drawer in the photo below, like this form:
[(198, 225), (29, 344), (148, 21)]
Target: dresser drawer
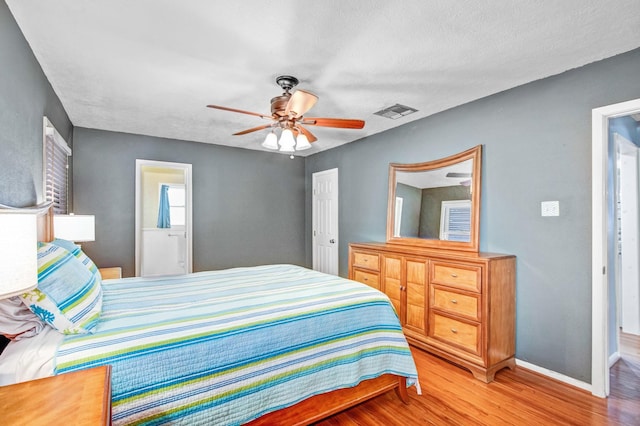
[(453, 332), (456, 303), (366, 260), (369, 278), (466, 277)]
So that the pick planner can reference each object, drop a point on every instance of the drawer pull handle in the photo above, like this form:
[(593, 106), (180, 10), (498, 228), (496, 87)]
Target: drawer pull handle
[(454, 301), (454, 331), (454, 275), (366, 279)]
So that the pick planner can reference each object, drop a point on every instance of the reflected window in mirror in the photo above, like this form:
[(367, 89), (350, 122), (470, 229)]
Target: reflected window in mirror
[(455, 221)]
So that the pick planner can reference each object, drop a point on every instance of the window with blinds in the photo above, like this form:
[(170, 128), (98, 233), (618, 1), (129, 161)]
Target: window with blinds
[(56, 154), (455, 221)]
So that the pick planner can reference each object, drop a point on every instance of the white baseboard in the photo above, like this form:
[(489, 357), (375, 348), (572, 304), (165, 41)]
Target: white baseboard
[(552, 374), (614, 358)]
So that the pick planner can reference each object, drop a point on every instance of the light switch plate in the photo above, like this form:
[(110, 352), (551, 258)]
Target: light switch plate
[(550, 208)]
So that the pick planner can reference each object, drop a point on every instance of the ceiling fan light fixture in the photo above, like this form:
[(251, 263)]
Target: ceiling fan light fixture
[(287, 115), (287, 142), (302, 142), (271, 141)]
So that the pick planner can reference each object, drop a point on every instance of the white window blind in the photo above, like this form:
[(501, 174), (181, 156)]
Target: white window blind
[(56, 154), (455, 221)]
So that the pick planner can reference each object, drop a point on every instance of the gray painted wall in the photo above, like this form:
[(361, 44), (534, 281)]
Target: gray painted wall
[(247, 205), (25, 97), (537, 147)]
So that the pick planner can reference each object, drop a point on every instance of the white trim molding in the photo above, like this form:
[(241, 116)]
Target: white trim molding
[(554, 375), (615, 357)]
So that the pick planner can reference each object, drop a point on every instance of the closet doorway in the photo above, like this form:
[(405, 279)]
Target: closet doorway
[(163, 218)]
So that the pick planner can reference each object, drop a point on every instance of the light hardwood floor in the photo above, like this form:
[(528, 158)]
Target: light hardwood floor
[(451, 396)]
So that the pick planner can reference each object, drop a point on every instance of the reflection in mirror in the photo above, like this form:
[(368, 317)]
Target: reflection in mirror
[(433, 203), (424, 198)]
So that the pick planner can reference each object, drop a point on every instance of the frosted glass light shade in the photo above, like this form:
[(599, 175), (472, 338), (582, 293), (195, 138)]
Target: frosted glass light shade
[(19, 254), (302, 142), (287, 143), (74, 227), (271, 141)]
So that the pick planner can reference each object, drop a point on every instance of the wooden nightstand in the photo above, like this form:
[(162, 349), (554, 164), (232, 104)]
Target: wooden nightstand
[(110, 273), (78, 398)]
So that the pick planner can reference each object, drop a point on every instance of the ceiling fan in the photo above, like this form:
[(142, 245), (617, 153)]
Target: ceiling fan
[(287, 113)]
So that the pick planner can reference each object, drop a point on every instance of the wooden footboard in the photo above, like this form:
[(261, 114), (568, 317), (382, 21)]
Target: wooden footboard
[(324, 405)]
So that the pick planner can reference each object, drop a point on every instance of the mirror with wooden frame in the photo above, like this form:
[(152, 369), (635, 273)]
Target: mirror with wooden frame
[(436, 204)]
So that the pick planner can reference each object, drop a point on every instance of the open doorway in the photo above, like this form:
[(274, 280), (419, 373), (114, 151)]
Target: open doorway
[(625, 303), (627, 286), (163, 218), (605, 337)]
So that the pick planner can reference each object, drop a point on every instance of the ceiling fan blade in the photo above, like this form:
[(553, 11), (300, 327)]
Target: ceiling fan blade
[(343, 123), (253, 129), (308, 134), (300, 102), (240, 111)]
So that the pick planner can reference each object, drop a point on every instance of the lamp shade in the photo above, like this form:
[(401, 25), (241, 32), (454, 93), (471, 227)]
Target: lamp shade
[(74, 227), (302, 142), (271, 141), (18, 253), (287, 142)]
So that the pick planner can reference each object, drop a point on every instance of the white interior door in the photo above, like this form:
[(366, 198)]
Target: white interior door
[(629, 250), (163, 248), (325, 221)]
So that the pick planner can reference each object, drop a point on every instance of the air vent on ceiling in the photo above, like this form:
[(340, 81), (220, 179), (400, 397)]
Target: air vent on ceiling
[(396, 111)]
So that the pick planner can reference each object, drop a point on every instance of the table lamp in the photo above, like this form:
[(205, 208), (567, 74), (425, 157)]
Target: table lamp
[(74, 227)]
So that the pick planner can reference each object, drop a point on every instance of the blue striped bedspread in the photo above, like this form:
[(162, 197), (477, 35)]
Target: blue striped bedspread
[(225, 347)]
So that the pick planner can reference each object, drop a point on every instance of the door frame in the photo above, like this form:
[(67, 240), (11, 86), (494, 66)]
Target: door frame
[(599, 242), (186, 169), (336, 261)]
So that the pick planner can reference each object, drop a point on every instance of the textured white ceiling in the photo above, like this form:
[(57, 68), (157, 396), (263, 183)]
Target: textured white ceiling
[(151, 66)]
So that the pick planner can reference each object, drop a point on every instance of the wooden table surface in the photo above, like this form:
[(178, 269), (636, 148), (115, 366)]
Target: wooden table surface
[(78, 398)]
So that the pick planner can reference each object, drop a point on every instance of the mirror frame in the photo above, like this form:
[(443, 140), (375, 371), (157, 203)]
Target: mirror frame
[(473, 245)]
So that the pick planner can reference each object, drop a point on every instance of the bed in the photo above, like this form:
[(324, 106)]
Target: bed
[(261, 345)]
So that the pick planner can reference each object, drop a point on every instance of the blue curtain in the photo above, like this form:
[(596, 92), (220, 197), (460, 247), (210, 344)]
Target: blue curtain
[(163, 212)]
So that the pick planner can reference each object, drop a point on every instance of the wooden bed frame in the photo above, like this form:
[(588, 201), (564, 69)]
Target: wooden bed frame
[(312, 409), (324, 405)]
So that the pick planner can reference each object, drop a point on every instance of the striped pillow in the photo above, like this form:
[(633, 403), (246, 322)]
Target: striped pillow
[(76, 250), (69, 295)]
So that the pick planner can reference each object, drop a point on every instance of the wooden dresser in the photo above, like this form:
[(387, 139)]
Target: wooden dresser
[(457, 305)]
